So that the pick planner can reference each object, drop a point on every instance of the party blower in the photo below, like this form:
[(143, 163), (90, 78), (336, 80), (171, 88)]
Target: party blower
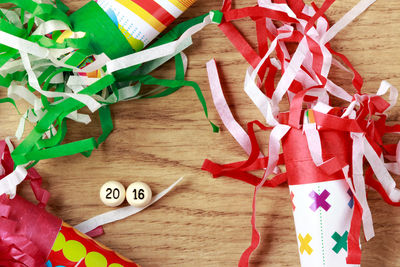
[(95, 57), (31, 236), (325, 148), (121, 27), (322, 196)]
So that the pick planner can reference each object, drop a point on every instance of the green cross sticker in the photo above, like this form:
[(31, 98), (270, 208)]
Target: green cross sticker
[(341, 241)]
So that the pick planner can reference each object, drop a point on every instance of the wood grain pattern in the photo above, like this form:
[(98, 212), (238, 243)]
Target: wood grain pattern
[(206, 222)]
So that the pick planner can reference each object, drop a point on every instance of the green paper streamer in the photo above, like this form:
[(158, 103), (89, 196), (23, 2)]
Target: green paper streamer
[(44, 11), (105, 36), (122, 85), (61, 6)]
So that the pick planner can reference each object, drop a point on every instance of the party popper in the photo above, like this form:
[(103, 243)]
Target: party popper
[(95, 57), (140, 21), (324, 147), (31, 236)]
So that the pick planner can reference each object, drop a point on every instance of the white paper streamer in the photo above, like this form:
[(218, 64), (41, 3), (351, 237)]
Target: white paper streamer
[(346, 19), (393, 95), (224, 112), (359, 183), (314, 142), (92, 104), (12, 17), (119, 214), (158, 51), (23, 45), (51, 26), (8, 185)]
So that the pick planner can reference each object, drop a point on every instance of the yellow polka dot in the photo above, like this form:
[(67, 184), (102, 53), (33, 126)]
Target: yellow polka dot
[(122, 257), (115, 265), (74, 251), (59, 243), (95, 259)]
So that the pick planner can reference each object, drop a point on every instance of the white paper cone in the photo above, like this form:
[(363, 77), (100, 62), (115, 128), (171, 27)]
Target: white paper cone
[(322, 215)]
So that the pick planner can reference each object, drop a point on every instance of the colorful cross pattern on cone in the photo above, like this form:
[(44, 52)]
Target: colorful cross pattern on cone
[(322, 214), (320, 201), (341, 242), (351, 202), (72, 248), (304, 244)]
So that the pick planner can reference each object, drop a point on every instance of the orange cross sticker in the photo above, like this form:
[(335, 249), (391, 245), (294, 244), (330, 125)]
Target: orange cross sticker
[(304, 244)]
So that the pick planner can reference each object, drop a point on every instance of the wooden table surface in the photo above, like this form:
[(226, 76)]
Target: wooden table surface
[(206, 222)]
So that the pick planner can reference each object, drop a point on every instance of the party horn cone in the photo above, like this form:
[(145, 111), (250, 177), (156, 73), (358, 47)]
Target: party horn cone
[(322, 204), (120, 27), (30, 236), (140, 21)]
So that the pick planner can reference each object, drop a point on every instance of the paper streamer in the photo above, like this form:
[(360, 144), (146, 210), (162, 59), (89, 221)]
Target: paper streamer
[(69, 63), (324, 147), (119, 214)]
